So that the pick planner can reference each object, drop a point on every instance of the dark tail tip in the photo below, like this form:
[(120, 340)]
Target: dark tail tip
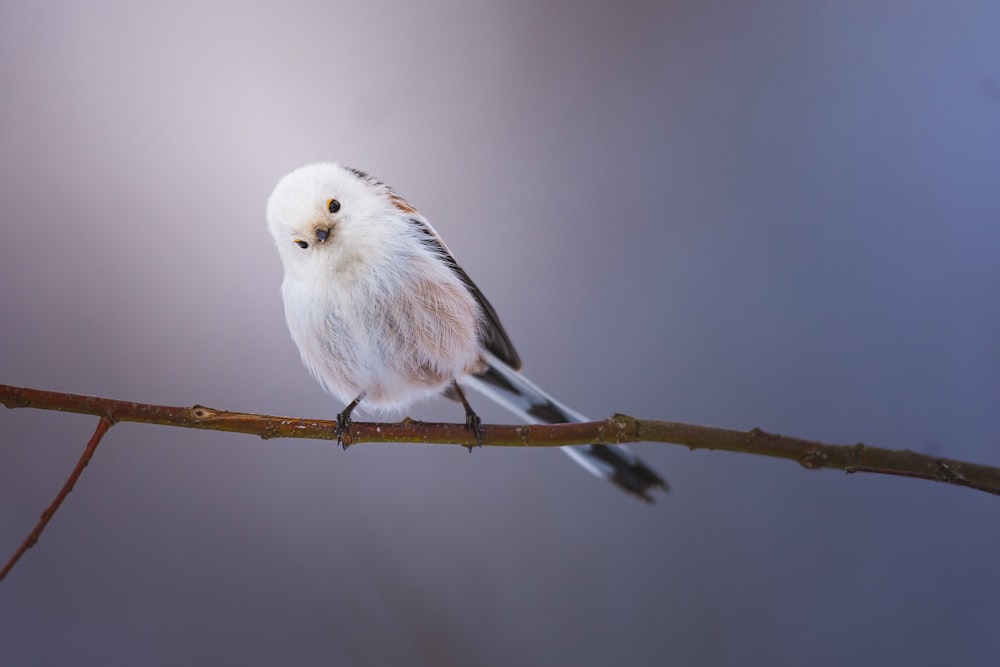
[(630, 474)]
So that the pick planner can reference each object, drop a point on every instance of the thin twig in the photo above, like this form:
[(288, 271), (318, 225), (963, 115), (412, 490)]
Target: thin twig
[(103, 425)]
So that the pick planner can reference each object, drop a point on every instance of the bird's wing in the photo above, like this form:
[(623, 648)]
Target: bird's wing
[(495, 338)]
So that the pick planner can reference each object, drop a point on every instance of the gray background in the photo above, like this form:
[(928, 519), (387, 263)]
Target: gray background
[(773, 214)]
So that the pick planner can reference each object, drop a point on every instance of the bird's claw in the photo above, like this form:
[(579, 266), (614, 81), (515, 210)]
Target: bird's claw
[(475, 425), (343, 430)]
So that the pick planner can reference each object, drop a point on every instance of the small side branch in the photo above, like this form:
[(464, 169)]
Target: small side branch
[(103, 425)]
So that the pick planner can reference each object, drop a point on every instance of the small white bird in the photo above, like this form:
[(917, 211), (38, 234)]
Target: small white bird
[(382, 313)]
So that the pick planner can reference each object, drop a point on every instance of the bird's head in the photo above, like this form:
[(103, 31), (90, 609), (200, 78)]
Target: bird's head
[(324, 214)]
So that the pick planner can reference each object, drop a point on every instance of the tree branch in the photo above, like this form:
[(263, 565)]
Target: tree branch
[(616, 429)]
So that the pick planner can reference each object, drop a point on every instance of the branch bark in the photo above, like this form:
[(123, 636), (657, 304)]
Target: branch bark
[(617, 429)]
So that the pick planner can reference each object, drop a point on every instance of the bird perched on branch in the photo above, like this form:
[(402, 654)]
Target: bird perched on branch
[(384, 316)]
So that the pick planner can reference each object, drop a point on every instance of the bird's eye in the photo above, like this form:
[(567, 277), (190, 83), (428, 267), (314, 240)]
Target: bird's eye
[(322, 234), (302, 244), (333, 205)]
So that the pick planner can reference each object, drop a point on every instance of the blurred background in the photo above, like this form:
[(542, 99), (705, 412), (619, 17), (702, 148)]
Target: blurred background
[(774, 214)]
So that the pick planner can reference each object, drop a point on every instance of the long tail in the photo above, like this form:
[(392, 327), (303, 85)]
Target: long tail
[(518, 394)]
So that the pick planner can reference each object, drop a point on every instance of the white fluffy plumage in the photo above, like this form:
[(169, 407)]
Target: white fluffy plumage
[(371, 308)]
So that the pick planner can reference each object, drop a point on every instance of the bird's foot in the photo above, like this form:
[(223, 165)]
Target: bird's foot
[(474, 425), (343, 430)]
